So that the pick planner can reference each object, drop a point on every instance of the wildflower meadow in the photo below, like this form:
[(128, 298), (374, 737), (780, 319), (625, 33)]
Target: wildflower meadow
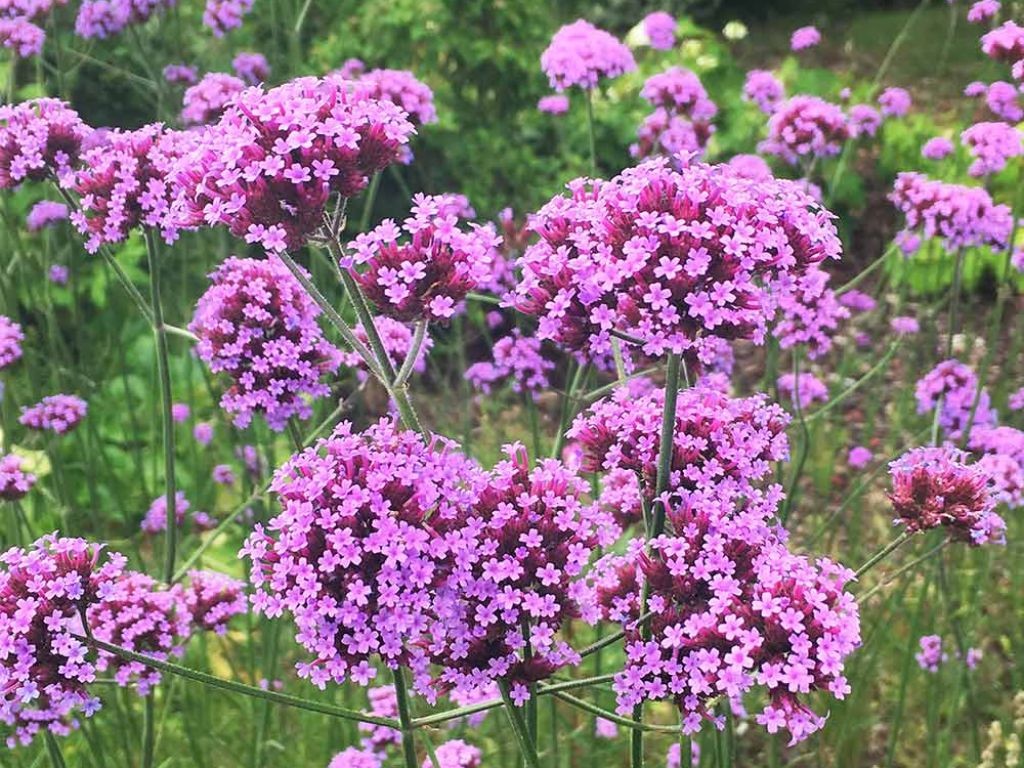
[(461, 384)]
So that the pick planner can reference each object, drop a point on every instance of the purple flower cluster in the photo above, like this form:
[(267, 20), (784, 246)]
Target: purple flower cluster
[(517, 359), (937, 148), (553, 104), (991, 145), (355, 758), (45, 213), (397, 338), (803, 127), (660, 28), (39, 138), (580, 54), (155, 519), (960, 216), (456, 754), (402, 89), (681, 121), (983, 10), (865, 120), (762, 88), (1006, 43), (931, 655), (213, 599), (223, 474), (802, 390), (859, 457), (680, 92), (383, 703), (206, 101), (15, 482), (428, 275), (804, 38), (675, 258), (181, 74), (251, 67), (267, 169), (54, 413), (662, 133), (11, 337), (257, 324), (1000, 452), (106, 18), (936, 487), (809, 313), (857, 301), (224, 15), (951, 386), (1003, 101), (895, 102), (22, 37)]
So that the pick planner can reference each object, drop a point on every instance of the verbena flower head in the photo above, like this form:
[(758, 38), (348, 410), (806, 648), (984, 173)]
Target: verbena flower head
[(553, 104), (206, 101), (803, 390), (674, 756), (936, 487), (952, 386), (15, 482), (804, 38), (370, 525), (931, 655), (404, 90), (669, 135), (141, 615), (865, 120), (39, 138), (904, 325), (213, 599), (11, 337), (991, 145), (983, 10), (1000, 452), (859, 457), (203, 432), (22, 37), (518, 360), (803, 127), (456, 754), (224, 15), (355, 758), (383, 703), (45, 668), (895, 102), (937, 148), (680, 92), (181, 74), (960, 216), (1005, 43), (751, 167), (1004, 101), (809, 313), (126, 183), (857, 301), (731, 610), (765, 90), (660, 28), (674, 258), (223, 474), (269, 167), (251, 67), (155, 519), (257, 324), (44, 214), (397, 338), (580, 54), (429, 274), (106, 18), (180, 412), (54, 413)]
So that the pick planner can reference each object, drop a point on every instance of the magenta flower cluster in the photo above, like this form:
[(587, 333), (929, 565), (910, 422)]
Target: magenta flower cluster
[(11, 337), (804, 38), (39, 138), (952, 387), (553, 104), (983, 10), (581, 55), (22, 37), (106, 18), (206, 101), (937, 148), (991, 145), (155, 519), (660, 28), (895, 102), (54, 413), (681, 121), (397, 338), (1000, 452), (809, 313), (765, 90), (803, 390), (181, 74), (402, 89), (213, 599), (805, 127), (45, 214), (15, 482), (516, 359), (222, 16), (257, 324), (251, 67)]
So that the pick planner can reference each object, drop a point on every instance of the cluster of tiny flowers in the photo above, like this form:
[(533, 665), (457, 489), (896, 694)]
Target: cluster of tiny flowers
[(402, 89), (937, 148), (904, 325), (126, 183), (58, 274), (730, 610), (258, 325), (1016, 400), (355, 758), (370, 527), (224, 15), (517, 359), (983, 10), (11, 337), (674, 756), (383, 703), (1000, 452), (991, 145), (865, 120), (428, 275), (675, 258), (857, 301), (803, 127), (931, 655), (251, 67), (180, 412), (203, 433), (181, 74), (580, 54), (139, 614), (39, 138), (663, 133), (859, 457), (206, 101), (719, 443), (267, 169), (752, 167), (223, 474), (54, 413), (106, 18), (802, 390), (1006, 43), (44, 667), (553, 104), (455, 754), (809, 313), (936, 487), (951, 386), (213, 599), (803, 38), (660, 28), (15, 482), (22, 37), (155, 519), (960, 216), (1003, 100), (397, 338), (680, 92), (762, 88), (45, 213), (895, 102)]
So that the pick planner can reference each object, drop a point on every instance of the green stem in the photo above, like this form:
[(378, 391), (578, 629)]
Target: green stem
[(590, 131), (579, 371), (805, 439), (954, 302), (515, 718), (53, 750), (371, 198), (883, 553), (148, 730), (405, 718), (666, 445)]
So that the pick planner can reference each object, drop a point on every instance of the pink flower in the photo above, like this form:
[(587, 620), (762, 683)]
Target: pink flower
[(11, 337), (212, 599), (661, 30), (931, 654), (895, 102), (804, 37), (517, 359), (55, 413), (224, 15), (251, 67), (15, 483), (554, 104), (580, 54), (937, 148), (983, 10), (206, 101), (803, 127), (38, 139), (45, 214), (991, 145), (155, 520), (763, 89), (859, 457)]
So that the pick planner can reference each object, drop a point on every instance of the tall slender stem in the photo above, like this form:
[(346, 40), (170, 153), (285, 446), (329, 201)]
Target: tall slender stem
[(53, 749), (805, 437), (515, 717), (883, 553), (954, 301), (371, 198), (405, 718), (148, 730), (666, 443), (588, 93)]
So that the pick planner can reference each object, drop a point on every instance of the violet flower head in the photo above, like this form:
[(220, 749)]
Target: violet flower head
[(904, 325), (581, 55), (1005, 43), (404, 90), (22, 36), (203, 433), (352, 559), (802, 391), (155, 519), (937, 148), (804, 38), (857, 301), (38, 139), (936, 487), (221, 16), (553, 104), (680, 92), (213, 599), (674, 756), (1000, 452), (269, 167), (106, 18), (991, 145), (251, 67), (518, 360), (258, 325), (1016, 400), (803, 127), (44, 590), (931, 655), (859, 457), (180, 412), (660, 28), (952, 386), (15, 482), (58, 274), (45, 214), (353, 757), (207, 100), (895, 102), (675, 258), (809, 313), (11, 337), (54, 413), (181, 74), (983, 10), (428, 275), (383, 703), (663, 133), (351, 69), (752, 167), (765, 90), (456, 754), (865, 120), (397, 338), (1004, 101), (223, 474)]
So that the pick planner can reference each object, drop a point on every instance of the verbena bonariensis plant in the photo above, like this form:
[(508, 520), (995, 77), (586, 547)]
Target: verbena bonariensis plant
[(659, 555)]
